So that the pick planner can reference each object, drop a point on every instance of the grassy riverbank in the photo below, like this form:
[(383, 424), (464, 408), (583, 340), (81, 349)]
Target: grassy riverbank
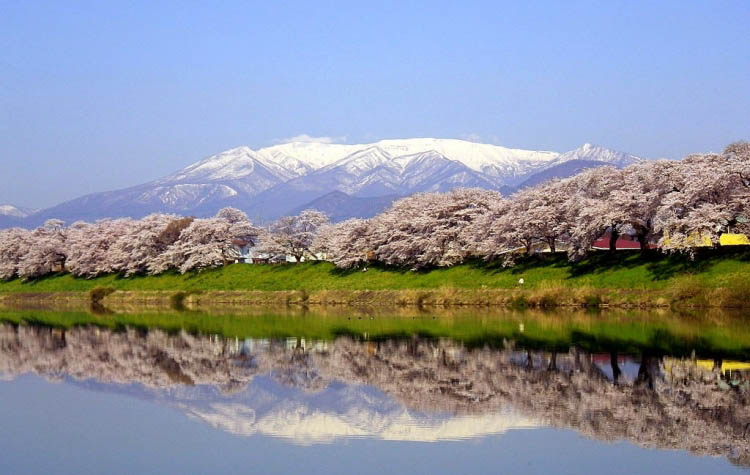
[(715, 278)]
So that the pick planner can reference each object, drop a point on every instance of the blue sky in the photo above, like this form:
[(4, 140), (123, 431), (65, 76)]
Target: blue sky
[(101, 95)]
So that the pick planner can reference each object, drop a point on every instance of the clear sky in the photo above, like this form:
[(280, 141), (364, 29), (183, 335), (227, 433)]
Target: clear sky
[(102, 95)]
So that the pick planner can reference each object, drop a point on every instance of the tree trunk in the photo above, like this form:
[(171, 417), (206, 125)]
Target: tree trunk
[(643, 241), (527, 245), (647, 372), (717, 364), (616, 372), (551, 242), (552, 366), (577, 359), (613, 237), (643, 235)]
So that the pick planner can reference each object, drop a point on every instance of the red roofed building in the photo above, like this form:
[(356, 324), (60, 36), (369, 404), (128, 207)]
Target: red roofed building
[(625, 241)]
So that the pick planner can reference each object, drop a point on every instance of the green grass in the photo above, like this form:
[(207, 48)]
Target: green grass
[(721, 268), (719, 333)]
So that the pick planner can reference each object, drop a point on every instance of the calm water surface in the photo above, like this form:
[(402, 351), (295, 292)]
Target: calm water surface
[(368, 393)]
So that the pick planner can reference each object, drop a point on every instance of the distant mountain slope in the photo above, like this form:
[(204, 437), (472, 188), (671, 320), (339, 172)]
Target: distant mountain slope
[(340, 206), (14, 216), (562, 170), (11, 222), (228, 178), (270, 182), (574, 162)]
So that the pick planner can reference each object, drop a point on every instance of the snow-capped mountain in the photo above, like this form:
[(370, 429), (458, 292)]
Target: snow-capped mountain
[(338, 411), (273, 181), (489, 159), (240, 163), (341, 411), (12, 216), (374, 172), (596, 153), (15, 211)]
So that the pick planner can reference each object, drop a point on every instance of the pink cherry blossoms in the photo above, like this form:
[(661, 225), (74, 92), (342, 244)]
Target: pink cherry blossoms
[(675, 205)]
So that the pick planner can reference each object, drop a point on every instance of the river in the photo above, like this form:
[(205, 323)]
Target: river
[(352, 390)]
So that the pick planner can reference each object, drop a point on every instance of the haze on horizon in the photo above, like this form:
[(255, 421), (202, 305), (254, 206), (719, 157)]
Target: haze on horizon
[(99, 96)]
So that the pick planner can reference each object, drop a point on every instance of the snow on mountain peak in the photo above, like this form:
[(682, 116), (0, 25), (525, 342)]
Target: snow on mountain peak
[(237, 163), (313, 155), (15, 211), (598, 153), (305, 425), (418, 157), (283, 162), (477, 156), (232, 163), (362, 160)]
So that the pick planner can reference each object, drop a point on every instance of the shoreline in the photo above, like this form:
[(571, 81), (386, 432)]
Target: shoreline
[(547, 298)]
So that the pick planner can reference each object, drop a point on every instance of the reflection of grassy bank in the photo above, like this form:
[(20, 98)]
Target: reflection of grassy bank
[(677, 297), (715, 278), (718, 333)]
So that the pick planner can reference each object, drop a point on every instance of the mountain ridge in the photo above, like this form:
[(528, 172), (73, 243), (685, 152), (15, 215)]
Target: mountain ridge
[(273, 181)]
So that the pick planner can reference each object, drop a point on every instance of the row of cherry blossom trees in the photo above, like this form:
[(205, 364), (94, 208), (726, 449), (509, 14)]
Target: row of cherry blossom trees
[(674, 204), (153, 244)]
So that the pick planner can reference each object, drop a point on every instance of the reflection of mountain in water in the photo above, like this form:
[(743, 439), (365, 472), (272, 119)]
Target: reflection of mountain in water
[(339, 410), (408, 389)]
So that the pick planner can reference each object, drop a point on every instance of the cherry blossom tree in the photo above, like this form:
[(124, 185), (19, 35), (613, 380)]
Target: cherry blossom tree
[(123, 246), (487, 236), (89, 246), (207, 242), (536, 214), (712, 199), (737, 156), (348, 242), (142, 241), (321, 244), (14, 244), (428, 228), (590, 208), (46, 253), (644, 188), (738, 161), (294, 235)]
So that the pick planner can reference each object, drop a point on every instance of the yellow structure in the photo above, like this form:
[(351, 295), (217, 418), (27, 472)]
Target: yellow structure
[(734, 240), (725, 365)]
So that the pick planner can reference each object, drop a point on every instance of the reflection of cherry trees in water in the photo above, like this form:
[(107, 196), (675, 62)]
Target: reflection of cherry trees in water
[(650, 399), (300, 372)]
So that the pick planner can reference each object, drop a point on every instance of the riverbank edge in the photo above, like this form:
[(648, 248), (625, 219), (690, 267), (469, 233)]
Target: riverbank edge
[(108, 298)]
